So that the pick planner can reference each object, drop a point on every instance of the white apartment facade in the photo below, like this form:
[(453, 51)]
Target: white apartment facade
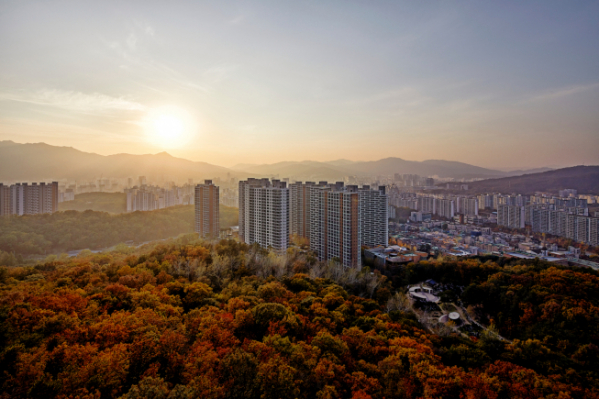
[(374, 216), (264, 213), (444, 207), (562, 223), (470, 206), (511, 216)]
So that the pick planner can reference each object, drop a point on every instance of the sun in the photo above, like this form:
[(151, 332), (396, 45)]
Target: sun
[(169, 127)]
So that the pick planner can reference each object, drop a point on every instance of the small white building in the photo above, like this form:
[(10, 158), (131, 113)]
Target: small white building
[(423, 293)]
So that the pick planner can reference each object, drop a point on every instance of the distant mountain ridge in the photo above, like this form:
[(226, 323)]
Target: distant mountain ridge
[(518, 172), (387, 166), (40, 161), (585, 179)]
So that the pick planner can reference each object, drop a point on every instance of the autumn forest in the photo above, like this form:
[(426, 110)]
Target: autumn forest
[(198, 319)]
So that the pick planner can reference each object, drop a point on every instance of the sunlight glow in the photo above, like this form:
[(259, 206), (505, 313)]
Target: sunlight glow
[(169, 127)]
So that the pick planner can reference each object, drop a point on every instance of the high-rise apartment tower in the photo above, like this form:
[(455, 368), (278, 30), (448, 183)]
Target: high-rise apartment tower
[(207, 223), (374, 216), (512, 216), (264, 213), (24, 199), (299, 201), (335, 224), (5, 209)]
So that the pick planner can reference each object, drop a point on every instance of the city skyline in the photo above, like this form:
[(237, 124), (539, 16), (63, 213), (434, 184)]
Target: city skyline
[(498, 85)]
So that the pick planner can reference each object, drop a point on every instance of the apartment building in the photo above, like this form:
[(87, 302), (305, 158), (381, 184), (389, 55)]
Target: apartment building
[(457, 201), (299, 199), (540, 220), (67, 195), (335, 228), (594, 231), (345, 218), (142, 200), (485, 201), (25, 199), (470, 206), (438, 205), (411, 203), (444, 207), (149, 198), (511, 200), (426, 204), (374, 216), (512, 216), (336, 219), (5, 209), (17, 199), (207, 223), (264, 213), (565, 223)]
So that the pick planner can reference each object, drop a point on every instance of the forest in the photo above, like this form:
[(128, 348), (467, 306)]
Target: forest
[(71, 230), (188, 318)]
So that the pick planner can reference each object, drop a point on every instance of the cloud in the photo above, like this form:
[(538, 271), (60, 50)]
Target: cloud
[(564, 92), (75, 101), (135, 60)]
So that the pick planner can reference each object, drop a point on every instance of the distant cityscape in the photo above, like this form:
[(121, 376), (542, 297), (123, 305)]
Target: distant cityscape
[(566, 215), (338, 219), (143, 194)]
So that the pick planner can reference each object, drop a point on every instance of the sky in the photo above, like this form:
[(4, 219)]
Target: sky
[(510, 84)]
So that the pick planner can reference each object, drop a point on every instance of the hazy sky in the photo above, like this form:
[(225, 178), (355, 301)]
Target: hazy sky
[(496, 84)]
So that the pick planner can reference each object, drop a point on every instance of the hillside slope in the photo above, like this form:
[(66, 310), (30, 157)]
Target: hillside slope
[(72, 230), (585, 179)]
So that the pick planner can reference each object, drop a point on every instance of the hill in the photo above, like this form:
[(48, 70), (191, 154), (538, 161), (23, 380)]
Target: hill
[(72, 230), (40, 161), (585, 179)]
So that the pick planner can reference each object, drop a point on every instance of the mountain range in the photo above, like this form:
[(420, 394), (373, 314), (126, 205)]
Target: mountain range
[(333, 170), (40, 161)]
